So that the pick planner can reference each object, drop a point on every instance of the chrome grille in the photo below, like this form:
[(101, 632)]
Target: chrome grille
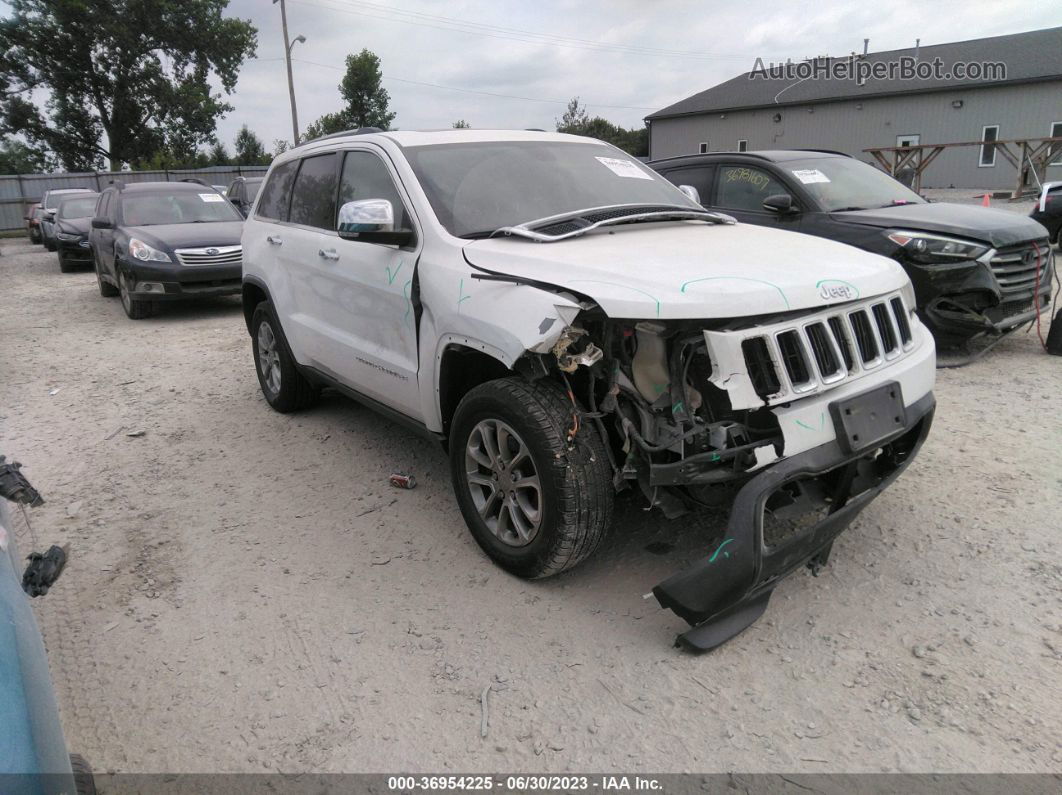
[(1015, 266), (827, 348), (210, 255)]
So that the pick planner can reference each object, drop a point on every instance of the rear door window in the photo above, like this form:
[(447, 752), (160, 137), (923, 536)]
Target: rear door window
[(277, 193), (313, 198)]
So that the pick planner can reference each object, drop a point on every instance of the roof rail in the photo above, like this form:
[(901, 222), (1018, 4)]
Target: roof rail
[(118, 184), (197, 181), (342, 133)]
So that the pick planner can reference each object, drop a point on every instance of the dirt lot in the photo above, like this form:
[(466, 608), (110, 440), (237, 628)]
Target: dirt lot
[(247, 593)]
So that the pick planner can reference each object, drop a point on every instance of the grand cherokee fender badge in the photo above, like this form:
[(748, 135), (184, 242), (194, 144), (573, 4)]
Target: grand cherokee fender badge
[(836, 290)]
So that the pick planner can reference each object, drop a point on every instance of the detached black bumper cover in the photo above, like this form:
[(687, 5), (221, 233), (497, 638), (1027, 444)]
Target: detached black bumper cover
[(725, 592)]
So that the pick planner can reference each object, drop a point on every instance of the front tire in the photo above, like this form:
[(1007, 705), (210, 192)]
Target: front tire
[(134, 308), (535, 503), (283, 386), (64, 264)]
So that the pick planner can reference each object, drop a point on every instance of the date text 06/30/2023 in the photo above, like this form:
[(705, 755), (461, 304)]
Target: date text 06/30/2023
[(523, 783)]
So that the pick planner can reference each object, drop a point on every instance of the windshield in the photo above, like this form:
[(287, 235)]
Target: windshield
[(186, 207), (475, 188), (841, 183), (53, 198), (78, 208)]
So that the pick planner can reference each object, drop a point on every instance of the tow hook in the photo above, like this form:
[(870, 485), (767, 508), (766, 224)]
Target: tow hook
[(15, 487), (42, 570)]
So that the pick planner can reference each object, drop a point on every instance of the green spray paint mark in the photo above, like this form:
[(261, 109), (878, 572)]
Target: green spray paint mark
[(720, 549), (715, 457), (391, 276), (737, 278), (653, 298), (822, 423), (461, 297), (677, 407)]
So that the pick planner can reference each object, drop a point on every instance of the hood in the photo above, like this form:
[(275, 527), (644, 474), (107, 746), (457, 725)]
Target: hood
[(998, 228), (215, 233), (75, 226), (693, 270)]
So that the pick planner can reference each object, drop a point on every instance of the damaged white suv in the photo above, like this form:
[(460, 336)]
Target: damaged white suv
[(571, 324)]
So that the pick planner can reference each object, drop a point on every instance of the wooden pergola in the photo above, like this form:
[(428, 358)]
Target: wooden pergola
[(1022, 153)]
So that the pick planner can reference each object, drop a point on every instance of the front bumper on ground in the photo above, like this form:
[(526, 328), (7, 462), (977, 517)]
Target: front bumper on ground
[(824, 489), (170, 282)]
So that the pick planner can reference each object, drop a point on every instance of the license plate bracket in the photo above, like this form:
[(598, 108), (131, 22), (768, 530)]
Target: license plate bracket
[(865, 420)]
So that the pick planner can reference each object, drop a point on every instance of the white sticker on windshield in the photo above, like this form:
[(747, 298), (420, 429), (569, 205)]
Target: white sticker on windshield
[(809, 175), (623, 168), (211, 197)]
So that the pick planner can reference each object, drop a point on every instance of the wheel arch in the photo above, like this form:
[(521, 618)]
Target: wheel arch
[(254, 292), (462, 366)]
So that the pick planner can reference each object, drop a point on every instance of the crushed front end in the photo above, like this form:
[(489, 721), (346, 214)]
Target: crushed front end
[(798, 420), (998, 290)]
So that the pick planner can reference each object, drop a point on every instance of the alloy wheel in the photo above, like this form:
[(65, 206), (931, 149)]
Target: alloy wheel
[(269, 358), (504, 484)]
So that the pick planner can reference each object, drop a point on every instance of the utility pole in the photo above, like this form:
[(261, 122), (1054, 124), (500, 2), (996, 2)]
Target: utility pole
[(287, 59)]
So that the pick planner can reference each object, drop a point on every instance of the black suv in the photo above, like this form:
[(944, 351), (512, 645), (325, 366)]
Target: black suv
[(242, 193), (163, 241), (72, 223), (975, 270)]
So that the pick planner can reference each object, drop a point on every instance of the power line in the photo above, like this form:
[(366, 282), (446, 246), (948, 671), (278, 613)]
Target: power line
[(439, 22), (485, 93)]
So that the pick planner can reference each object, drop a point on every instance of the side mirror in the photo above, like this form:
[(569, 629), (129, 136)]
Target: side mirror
[(781, 203), (371, 221), (51, 213), (102, 223), (692, 192)]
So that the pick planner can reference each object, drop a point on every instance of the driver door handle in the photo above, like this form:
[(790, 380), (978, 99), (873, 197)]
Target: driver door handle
[(328, 254), (276, 241)]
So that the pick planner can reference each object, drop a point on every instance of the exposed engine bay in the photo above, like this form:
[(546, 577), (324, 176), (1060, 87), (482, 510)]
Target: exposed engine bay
[(672, 432)]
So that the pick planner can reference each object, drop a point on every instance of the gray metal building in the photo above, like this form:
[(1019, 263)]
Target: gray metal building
[(852, 114)]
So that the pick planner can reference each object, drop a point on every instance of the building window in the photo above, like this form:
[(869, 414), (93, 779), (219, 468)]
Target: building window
[(703, 147), (989, 135), (1056, 149), (743, 145)]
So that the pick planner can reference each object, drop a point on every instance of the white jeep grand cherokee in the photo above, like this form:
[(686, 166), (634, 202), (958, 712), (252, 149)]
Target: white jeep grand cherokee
[(570, 325)]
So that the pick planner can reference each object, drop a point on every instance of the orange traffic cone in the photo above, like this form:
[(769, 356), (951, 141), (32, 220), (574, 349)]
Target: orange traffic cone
[(986, 200)]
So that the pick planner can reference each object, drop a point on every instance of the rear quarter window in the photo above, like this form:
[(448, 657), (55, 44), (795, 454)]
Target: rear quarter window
[(277, 192)]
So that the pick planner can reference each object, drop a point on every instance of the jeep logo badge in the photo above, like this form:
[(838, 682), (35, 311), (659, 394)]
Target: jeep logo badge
[(836, 290), (213, 252)]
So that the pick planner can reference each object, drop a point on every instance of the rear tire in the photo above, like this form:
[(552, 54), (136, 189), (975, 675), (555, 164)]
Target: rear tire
[(283, 386), (134, 309), (535, 504)]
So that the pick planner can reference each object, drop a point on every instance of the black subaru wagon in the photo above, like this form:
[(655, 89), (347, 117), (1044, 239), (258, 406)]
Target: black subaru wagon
[(975, 270)]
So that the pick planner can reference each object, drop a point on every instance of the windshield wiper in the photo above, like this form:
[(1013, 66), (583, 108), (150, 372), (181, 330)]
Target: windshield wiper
[(594, 217)]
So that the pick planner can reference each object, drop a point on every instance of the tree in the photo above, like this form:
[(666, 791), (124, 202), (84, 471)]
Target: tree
[(219, 155), (574, 117), (367, 101), (18, 158), (461, 124), (136, 71), (250, 151), (280, 146), (576, 121)]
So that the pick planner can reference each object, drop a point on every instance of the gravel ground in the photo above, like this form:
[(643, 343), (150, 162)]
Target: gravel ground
[(247, 593)]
